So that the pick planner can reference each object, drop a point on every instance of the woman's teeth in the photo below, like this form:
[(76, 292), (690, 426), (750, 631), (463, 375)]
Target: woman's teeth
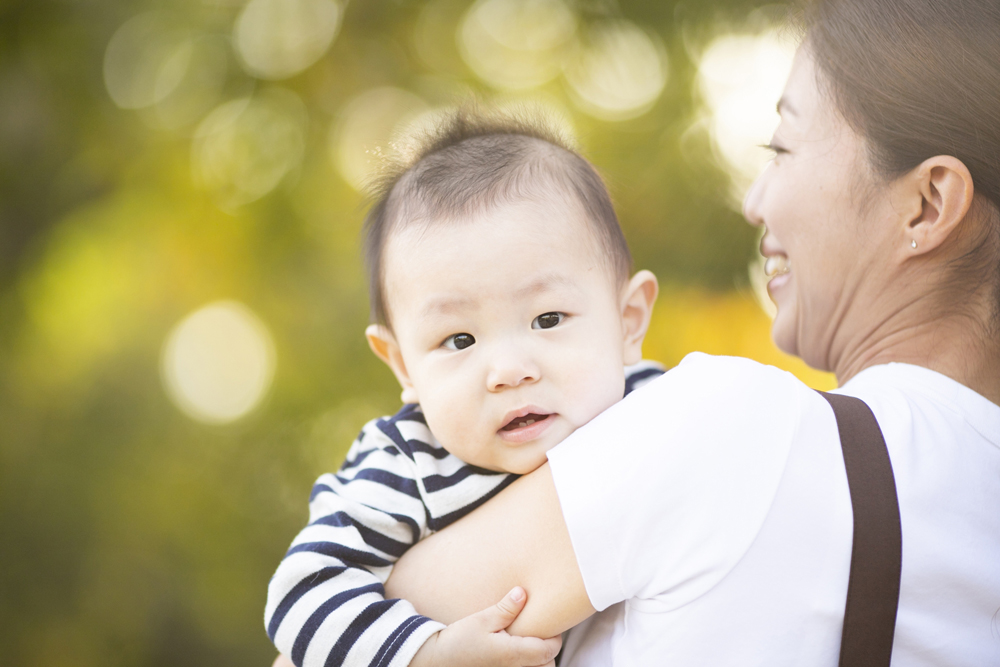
[(777, 265)]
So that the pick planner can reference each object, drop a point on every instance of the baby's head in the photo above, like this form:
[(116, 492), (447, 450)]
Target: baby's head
[(500, 289)]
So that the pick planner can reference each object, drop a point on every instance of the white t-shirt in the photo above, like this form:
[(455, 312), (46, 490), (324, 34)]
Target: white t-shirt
[(714, 503)]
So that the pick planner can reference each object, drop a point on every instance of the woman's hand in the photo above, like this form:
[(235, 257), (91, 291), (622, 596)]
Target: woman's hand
[(518, 538), (481, 640)]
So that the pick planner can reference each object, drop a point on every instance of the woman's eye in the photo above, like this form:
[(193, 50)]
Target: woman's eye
[(459, 341), (547, 320), (774, 148)]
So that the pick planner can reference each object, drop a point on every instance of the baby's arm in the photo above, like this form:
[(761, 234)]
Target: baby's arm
[(480, 641), (326, 599), (326, 603)]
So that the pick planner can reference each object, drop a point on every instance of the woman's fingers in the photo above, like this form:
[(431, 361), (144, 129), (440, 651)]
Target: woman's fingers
[(481, 640), (532, 651), (503, 613)]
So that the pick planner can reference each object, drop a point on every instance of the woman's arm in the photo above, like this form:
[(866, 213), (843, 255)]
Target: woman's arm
[(518, 538)]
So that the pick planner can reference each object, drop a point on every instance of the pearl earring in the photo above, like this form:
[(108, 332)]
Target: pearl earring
[(913, 244)]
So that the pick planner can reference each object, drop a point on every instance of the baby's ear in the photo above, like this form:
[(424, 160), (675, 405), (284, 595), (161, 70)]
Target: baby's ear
[(385, 347), (637, 309)]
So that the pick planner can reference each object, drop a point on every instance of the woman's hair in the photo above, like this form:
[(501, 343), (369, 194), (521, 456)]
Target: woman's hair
[(919, 78)]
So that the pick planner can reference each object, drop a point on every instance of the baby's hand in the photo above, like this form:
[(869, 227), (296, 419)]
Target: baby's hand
[(481, 640)]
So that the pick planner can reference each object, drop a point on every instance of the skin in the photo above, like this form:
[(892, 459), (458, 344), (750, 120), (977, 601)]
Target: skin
[(552, 331), (501, 279), (548, 329), (858, 294)]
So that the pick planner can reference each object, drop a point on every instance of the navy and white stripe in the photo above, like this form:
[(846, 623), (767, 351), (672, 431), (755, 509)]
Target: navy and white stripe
[(326, 604)]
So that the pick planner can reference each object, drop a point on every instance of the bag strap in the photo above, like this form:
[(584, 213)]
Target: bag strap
[(876, 554)]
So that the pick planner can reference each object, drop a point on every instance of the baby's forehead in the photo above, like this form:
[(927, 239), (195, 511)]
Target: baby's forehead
[(466, 177), (525, 246), (550, 218)]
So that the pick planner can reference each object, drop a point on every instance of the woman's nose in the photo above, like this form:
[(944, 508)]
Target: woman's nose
[(752, 202), (511, 369)]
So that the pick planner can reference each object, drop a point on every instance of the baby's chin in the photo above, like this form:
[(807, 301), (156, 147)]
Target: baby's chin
[(518, 460), (531, 465)]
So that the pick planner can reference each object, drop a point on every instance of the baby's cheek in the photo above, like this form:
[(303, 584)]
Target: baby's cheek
[(600, 389), (455, 432)]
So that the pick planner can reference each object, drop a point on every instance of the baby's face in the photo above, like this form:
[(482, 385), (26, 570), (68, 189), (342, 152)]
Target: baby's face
[(510, 328)]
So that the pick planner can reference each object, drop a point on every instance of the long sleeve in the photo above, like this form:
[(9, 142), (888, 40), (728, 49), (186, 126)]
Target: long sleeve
[(326, 603)]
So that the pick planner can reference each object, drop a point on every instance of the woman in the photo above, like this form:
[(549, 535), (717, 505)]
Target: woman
[(708, 517), (715, 500)]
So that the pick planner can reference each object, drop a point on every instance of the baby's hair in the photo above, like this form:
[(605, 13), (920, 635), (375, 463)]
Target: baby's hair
[(472, 161)]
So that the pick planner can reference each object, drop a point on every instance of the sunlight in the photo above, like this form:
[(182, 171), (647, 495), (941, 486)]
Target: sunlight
[(245, 147), (367, 126), (218, 363), (620, 73), (190, 82), (279, 38), (740, 78), (140, 61), (517, 44)]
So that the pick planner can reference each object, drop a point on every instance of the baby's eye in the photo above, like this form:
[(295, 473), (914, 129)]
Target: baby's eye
[(458, 341), (547, 320)]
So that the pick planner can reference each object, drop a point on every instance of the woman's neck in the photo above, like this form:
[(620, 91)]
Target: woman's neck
[(958, 347)]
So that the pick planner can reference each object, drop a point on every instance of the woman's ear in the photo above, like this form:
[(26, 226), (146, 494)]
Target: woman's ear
[(385, 347), (946, 191), (637, 308)]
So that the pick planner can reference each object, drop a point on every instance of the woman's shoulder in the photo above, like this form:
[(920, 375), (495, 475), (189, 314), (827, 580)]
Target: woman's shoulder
[(711, 404), (726, 366), (736, 383), (706, 444)]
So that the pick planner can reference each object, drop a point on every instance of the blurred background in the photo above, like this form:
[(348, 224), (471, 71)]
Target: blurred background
[(181, 297)]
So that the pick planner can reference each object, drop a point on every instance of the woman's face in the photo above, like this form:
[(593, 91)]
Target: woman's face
[(816, 210)]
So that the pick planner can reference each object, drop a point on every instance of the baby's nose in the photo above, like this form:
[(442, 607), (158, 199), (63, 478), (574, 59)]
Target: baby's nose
[(511, 370)]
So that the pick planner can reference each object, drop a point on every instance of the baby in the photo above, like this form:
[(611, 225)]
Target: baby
[(503, 304)]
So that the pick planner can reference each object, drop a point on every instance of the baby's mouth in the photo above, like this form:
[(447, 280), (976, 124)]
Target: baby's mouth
[(522, 422)]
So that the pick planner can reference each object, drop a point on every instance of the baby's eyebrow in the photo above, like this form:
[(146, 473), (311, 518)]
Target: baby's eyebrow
[(447, 305), (544, 284)]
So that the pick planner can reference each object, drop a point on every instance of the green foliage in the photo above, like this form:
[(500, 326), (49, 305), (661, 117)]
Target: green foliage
[(133, 535)]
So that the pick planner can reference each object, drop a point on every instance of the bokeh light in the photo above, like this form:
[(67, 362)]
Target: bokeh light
[(434, 37), (366, 128), (279, 38), (218, 362), (517, 44), (190, 81), (141, 65), (740, 78), (244, 148), (619, 73), (219, 151)]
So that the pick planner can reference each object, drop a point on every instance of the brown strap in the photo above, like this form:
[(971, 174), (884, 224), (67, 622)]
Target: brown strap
[(876, 554)]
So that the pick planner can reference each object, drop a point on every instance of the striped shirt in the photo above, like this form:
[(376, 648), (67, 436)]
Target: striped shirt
[(326, 603)]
